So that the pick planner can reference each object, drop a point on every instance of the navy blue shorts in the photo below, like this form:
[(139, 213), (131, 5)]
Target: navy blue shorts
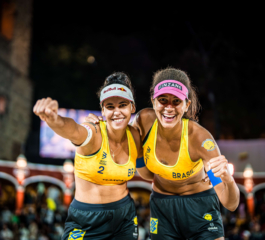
[(111, 221), (192, 217)]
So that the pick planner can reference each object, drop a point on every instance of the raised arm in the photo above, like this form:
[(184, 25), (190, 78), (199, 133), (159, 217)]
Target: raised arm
[(47, 110), (227, 190)]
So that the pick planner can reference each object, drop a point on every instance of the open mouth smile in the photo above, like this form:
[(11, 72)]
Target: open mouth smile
[(118, 120), (168, 118)]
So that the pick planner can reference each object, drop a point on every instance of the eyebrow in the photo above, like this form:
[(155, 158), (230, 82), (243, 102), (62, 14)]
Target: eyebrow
[(166, 96), (110, 104)]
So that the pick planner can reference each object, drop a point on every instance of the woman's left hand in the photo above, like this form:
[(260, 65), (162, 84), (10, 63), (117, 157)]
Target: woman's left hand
[(219, 166)]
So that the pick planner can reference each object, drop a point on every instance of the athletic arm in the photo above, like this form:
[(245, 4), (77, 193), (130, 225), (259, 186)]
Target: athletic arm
[(141, 123), (207, 149), (47, 110)]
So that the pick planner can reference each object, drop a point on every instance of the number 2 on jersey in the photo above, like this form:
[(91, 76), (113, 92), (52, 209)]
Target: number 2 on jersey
[(102, 169)]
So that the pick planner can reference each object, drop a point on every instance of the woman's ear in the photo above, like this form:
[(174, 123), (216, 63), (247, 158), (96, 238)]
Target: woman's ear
[(103, 111), (187, 106), (153, 102), (133, 108)]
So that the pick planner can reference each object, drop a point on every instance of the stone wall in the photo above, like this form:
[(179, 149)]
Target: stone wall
[(15, 85)]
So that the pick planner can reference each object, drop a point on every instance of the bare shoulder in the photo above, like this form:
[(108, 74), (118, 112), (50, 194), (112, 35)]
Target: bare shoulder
[(144, 120), (197, 131), (202, 141), (146, 113)]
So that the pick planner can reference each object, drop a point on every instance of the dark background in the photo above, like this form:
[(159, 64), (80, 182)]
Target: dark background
[(223, 59)]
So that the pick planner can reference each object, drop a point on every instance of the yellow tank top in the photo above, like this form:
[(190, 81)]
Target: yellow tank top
[(100, 167), (184, 167)]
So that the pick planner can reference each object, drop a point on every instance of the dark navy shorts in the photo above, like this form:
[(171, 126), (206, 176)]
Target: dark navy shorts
[(111, 221), (189, 217)]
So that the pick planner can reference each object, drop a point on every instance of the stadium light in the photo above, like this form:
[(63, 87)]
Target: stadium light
[(68, 166), (21, 161), (21, 170), (248, 172)]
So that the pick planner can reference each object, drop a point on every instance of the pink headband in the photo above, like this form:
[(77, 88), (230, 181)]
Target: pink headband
[(173, 87)]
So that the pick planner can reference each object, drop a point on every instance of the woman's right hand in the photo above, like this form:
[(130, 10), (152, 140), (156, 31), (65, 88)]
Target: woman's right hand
[(46, 109), (93, 118)]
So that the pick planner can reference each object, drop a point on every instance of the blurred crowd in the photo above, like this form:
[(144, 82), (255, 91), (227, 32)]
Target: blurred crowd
[(41, 223), (43, 217), (239, 225)]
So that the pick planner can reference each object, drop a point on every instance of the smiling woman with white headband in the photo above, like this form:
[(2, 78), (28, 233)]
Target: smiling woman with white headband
[(105, 160)]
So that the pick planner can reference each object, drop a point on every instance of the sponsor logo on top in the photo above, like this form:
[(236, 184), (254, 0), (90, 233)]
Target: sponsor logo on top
[(104, 155), (170, 84), (110, 89), (122, 89), (114, 88), (146, 155)]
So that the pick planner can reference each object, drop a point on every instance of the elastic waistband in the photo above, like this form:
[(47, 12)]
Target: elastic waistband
[(100, 207), (195, 195)]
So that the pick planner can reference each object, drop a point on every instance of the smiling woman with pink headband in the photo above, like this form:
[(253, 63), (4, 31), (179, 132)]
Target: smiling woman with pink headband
[(178, 151)]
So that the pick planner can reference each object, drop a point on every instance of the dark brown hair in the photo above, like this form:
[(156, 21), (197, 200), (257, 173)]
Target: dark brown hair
[(179, 75), (119, 78)]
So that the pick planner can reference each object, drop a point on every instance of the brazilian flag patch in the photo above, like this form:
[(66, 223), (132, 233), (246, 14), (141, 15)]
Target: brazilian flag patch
[(153, 225), (77, 234)]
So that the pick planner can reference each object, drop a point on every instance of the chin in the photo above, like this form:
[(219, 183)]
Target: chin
[(168, 125)]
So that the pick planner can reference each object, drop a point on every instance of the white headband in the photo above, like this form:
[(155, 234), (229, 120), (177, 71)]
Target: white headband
[(116, 90)]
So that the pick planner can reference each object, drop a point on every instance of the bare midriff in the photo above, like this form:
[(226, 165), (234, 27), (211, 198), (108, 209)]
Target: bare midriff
[(189, 186), (89, 192)]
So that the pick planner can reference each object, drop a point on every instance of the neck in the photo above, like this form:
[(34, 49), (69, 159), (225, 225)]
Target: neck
[(170, 133), (116, 136)]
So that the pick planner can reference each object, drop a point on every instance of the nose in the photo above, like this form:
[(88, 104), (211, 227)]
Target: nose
[(116, 111), (169, 107)]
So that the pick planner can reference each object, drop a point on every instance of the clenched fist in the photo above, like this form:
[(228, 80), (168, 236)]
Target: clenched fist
[(219, 166), (46, 109)]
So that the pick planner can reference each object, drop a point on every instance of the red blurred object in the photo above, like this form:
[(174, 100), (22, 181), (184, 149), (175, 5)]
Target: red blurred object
[(19, 200)]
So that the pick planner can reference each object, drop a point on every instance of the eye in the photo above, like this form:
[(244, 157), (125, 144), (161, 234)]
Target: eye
[(123, 105), (176, 101), (162, 100), (109, 107)]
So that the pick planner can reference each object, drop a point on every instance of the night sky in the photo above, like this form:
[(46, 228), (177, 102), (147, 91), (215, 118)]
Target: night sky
[(223, 59)]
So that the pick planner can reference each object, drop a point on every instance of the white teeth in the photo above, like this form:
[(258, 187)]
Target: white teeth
[(118, 120), (168, 116)]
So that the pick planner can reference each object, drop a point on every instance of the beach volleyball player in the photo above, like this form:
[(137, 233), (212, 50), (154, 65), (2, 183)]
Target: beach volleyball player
[(179, 151), (105, 160)]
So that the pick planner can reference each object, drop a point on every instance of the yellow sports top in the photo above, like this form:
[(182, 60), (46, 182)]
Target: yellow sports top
[(100, 168), (184, 167)]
